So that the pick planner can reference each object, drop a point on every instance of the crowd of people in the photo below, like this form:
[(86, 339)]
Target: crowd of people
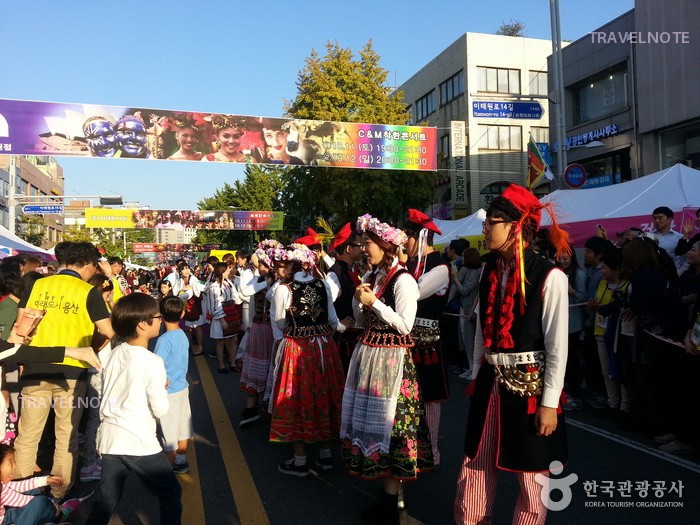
[(353, 345)]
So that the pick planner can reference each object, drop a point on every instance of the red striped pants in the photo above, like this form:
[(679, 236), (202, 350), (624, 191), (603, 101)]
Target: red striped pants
[(476, 484)]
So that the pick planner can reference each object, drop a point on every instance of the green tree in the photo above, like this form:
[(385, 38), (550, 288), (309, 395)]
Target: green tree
[(340, 87), (512, 28), (77, 234), (259, 191), (31, 228)]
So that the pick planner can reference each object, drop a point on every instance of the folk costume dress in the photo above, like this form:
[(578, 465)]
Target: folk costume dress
[(383, 430), (519, 363), (344, 280), (256, 361), (308, 389), (217, 294)]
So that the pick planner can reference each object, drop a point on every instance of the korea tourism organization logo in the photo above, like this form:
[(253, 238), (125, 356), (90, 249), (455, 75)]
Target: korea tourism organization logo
[(557, 494)]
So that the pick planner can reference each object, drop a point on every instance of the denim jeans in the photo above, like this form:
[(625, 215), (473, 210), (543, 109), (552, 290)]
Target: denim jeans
[(39, 510), (155, 473)]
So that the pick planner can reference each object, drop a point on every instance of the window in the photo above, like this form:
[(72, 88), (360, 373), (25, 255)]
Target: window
[(452, 88), (540, 134), (495, 80), (600, 96), (445, 145), (492, 191), (507, 138), (538, 83), (425, 106)]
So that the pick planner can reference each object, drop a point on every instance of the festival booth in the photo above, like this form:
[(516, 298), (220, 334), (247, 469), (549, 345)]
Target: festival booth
[(630, 204), (469, 228), (11, 244)]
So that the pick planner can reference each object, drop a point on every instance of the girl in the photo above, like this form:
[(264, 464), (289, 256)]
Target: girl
[(468, 288), (221, 296), (308, 388), (188, 288), (383, 428), (256, 361)]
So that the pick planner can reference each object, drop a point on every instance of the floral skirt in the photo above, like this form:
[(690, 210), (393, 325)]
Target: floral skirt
[(307, 396), (256, 360), (409, 450)]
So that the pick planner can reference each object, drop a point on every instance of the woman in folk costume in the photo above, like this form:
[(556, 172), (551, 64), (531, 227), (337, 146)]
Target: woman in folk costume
[(308, 389), (433, 276), (256, 360), (515, 421), (383, 428)]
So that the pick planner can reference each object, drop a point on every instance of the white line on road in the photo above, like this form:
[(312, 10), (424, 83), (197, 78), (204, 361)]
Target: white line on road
[(689, 465)]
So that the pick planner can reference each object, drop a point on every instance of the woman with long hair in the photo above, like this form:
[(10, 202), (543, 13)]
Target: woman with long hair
[(221, 297), (384, 433), (467, 284), (576, 276), (188, 288)]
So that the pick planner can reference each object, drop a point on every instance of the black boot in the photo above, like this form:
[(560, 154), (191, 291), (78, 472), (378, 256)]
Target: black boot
[(384, 512)]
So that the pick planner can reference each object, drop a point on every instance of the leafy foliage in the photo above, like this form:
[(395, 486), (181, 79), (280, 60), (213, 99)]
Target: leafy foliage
[(512, 28), (31, 228)]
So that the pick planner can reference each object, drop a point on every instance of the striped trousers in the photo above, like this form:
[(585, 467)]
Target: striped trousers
[(432, 418), (476, 484)]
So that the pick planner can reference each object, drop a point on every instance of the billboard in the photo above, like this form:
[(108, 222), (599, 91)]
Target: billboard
[(183, 219), (50, 128), (150, 247)]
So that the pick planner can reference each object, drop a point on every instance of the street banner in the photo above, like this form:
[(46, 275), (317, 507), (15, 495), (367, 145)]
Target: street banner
[(458, 144), (150, 247), (50, 128), (183, 219)]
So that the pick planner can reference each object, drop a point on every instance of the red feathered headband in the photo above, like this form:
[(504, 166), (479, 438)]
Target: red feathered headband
[(422, 220)]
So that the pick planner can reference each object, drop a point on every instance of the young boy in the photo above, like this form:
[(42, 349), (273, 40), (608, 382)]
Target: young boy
[(173, 347), (133, 397)]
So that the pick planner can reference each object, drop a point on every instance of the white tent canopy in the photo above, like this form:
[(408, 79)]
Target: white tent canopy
[(626, 205), (465, 227), (10, 243)]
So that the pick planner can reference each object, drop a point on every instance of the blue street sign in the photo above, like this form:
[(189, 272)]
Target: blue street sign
[(520, 110), (41, 209)]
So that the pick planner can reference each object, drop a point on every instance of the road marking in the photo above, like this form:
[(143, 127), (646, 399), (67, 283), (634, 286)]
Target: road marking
[(192, 503), (689, 465), (251, 510)]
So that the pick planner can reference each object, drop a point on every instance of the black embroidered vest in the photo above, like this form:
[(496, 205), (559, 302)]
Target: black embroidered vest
[(262, 307), (343, 304), (432, 307), (377, 332), (307, 315)]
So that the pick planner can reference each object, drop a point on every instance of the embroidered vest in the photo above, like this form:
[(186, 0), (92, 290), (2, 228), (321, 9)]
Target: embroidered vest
[(307, 315), (262, 307), (377, 332)]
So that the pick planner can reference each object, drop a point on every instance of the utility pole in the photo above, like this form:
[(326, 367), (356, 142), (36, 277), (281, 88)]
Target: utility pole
[(559, 102)]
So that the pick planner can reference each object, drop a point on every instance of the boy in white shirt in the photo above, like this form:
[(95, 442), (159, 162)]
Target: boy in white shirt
[(134, 395)]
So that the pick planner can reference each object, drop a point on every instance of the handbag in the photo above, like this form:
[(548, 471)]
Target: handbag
[(193, 309), (233, 315)]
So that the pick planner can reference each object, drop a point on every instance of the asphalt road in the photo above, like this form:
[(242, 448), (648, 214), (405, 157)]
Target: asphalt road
[(235, 478)]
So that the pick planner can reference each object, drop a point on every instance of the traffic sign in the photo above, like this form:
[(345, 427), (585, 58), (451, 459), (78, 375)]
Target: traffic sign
[(575, 175), (519, 110), (41, 209)]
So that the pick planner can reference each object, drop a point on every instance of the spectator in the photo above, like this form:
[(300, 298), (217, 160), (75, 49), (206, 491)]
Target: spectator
[(685, 243), (662, 217), (69, 322), (133, 397), (468, 289)]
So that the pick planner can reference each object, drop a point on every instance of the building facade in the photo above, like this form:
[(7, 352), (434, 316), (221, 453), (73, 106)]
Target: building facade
[(497, 87), (632, 106), (35, 177)]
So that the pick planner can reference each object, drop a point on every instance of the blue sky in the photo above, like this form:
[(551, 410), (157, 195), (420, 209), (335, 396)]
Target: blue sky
[(226, 56)]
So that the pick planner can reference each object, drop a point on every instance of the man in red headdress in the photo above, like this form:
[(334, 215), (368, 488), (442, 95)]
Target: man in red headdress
[(433, 276), (343, 279), (515, 421)]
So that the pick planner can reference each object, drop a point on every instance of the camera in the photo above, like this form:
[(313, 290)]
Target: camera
[(619, 301)]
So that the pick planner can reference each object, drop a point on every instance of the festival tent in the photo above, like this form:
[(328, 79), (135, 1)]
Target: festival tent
[(11, 244), (467, 227), (630, 204)]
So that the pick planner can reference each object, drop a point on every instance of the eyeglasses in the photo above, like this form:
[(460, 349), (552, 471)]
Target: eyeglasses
[(357, 245), (157, 316), (488, 224)]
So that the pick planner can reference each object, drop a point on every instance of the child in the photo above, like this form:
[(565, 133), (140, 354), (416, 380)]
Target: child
[(133, 397), (173, 347), (21, 501)]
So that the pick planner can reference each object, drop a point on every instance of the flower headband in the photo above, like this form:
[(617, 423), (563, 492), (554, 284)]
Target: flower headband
[(262, 251), (385, 232), (295, 252)]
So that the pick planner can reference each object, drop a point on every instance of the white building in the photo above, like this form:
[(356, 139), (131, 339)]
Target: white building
[(491, 83)]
